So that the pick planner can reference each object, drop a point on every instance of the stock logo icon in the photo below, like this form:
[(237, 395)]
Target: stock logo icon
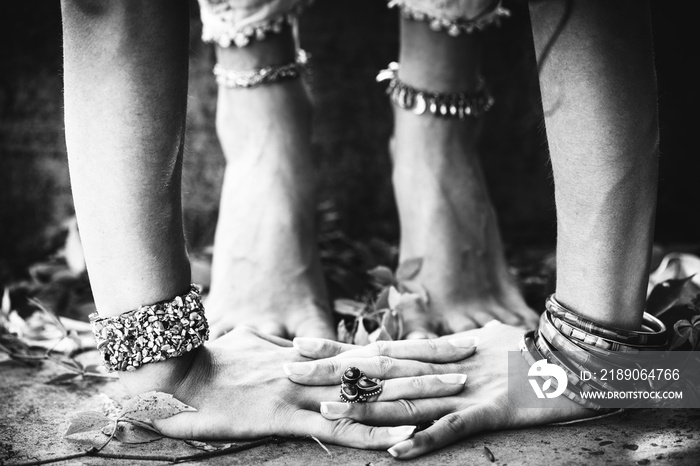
[(543, 369)]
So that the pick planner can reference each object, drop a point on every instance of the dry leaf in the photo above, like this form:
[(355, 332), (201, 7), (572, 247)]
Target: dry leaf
[(130, 432), (209, 446), (62, 378), (153, 405), (87, 421)]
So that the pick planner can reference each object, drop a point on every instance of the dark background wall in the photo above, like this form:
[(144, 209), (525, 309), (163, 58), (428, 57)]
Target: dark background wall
[(351, 127)]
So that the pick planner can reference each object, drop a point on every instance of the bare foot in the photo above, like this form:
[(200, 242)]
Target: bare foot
[(448, 220), (266, 271)]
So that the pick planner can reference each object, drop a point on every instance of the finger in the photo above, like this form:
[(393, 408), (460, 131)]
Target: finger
[(328, 371), (446, 430), (318, 348), (390, 413), (435, 350), (270, 328), (349, 433), (409, 388)]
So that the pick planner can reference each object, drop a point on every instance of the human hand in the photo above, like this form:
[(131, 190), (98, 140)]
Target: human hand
[(240, 390), (484, 405)]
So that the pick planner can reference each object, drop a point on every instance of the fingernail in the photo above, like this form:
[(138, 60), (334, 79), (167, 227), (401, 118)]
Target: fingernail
[(333, 407), (401, 431), (401, 448), (464, 342), (299, 368), (459, 379), (308, 344)]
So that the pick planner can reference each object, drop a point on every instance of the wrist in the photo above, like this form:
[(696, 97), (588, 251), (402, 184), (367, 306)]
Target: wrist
[(164, 376)]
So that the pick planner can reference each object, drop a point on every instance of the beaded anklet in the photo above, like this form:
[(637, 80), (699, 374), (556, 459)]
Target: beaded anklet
[(449, 105), (151, 333), (233, 79)]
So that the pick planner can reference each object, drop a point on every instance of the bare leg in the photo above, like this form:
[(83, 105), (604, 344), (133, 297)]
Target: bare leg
[(445, 211), (125, 96), (599, 95), (599, 92), (266, 271)]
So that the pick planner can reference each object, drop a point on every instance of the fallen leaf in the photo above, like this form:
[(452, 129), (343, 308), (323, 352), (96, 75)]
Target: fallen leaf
[(62, 378), (86, 422), (128, 432), (409, 268), (209, 446), (665, 295), (153, 405)]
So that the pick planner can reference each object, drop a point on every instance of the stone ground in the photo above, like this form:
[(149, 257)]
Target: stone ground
[(35, 415)]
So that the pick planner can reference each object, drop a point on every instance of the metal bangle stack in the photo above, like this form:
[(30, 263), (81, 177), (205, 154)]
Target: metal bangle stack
[(577, 344)]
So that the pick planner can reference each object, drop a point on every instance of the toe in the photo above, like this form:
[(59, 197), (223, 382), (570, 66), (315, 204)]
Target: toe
[(271, 328), (455, 323), (420, 335), (315, 327)]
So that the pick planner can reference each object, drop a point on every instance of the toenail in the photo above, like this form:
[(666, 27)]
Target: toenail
[(309, 345)]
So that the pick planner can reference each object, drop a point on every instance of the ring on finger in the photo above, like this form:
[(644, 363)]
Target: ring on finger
[(356, 387)]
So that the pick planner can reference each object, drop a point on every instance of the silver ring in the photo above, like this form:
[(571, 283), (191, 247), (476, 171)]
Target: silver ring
[(356, 387)]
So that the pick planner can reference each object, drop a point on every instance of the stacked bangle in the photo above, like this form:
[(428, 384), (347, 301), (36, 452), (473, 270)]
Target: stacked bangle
[(151, 333), (234, 79), (654, 333), (577, 344), (449, 105)]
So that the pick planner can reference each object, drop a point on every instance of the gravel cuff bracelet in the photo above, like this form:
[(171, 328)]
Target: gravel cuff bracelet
[(151, 333), (448, 105), (269, 75)]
